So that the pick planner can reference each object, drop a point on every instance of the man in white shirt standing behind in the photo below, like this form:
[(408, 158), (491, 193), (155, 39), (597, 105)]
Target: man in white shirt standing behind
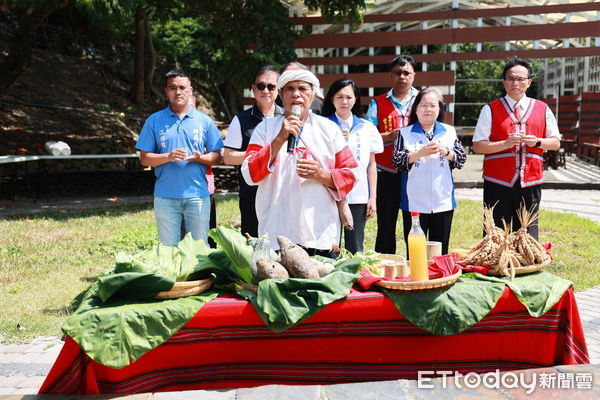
[(513, 133)]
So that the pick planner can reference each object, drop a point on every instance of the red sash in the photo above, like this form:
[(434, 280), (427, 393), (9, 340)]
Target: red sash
[(389, 118)]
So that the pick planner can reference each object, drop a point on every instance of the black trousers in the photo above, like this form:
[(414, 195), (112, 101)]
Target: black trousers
[(247, 206), (388, 205), (213, 221), (507, 202), (355, 238), (323, 253), (436, 226)]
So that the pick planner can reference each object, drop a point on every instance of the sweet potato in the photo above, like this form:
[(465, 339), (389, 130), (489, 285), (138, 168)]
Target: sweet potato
[(269, 269), (296, 260), (324, 268)]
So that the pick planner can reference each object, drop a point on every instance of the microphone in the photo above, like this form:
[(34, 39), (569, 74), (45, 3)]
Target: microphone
[(296, 111)]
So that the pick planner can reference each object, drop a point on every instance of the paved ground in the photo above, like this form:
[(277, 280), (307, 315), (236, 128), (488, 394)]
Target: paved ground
[(576, 174), (23, 367)]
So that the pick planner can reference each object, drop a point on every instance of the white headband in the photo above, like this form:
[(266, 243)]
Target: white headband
[(300, 75)]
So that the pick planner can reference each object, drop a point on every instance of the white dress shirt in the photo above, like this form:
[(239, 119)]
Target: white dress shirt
[(484, 123)]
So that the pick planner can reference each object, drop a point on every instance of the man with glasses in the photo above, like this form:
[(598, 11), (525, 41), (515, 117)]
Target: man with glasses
[(264, 91), (179, 142), (389, 112), (513, 133)]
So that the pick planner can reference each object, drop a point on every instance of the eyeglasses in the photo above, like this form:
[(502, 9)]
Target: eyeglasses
[(518, 80), (176, 88), (261, 86), (403, 73), (428, 106)]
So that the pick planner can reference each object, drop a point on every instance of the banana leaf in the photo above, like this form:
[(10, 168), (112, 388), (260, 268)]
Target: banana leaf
[(117, 332), (133, 285), (237, 250), (283, 303), (538, 291), (452, 310), (141, 276)]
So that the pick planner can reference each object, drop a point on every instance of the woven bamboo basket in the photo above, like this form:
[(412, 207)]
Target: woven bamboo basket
[(184, 289), (420, 285), (527, 269)]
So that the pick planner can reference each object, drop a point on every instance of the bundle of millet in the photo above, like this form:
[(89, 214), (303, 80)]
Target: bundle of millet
[(487, 251)]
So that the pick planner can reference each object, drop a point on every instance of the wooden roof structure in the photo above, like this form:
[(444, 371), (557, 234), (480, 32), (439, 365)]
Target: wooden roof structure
[(438, 34)]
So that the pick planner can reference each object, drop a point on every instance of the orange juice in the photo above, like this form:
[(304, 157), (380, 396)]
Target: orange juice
[(417, 251)]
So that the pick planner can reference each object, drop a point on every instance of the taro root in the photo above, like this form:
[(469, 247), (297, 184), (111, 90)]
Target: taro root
[(269, 269), (296, 260), (324, 268)]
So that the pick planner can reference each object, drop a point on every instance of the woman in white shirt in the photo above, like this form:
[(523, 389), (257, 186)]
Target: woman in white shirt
[(342, 105)]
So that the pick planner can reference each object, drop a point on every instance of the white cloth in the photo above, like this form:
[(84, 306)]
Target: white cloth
[(303, 210), (483, 129), (300, 75), (430, 186), (363, 140)]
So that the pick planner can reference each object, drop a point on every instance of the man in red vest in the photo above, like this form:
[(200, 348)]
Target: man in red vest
[(389, 112), (513, 133)]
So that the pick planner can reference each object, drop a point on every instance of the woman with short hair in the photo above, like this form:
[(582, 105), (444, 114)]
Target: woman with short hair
[(428, 149)]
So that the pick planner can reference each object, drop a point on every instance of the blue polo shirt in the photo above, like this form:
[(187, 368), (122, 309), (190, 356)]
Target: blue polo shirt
[(164, 132)]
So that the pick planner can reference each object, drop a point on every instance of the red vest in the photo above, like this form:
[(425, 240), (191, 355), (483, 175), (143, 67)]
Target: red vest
[(524, 163), (389, 118)]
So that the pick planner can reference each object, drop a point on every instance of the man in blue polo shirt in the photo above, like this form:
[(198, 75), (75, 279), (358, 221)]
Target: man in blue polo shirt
[(179, 142)]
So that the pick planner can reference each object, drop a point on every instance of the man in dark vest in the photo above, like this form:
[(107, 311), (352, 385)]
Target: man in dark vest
[(513, 133), (389, 112), (264, 90)]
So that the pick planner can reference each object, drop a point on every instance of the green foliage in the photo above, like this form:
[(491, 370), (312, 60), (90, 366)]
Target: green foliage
[(229, 39), (236, 249), (104, 20), (476, 92), (118, 332), (339, 10)]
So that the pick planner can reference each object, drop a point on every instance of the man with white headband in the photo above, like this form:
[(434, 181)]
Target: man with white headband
[(297, 190)]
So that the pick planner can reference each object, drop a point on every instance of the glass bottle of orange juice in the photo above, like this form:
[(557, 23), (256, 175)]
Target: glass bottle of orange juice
[(417, 250)]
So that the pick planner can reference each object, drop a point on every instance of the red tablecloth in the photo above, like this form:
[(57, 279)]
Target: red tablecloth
[(360, 338)]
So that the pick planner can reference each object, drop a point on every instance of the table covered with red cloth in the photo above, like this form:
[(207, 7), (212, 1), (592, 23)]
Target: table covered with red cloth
[(362, 337)]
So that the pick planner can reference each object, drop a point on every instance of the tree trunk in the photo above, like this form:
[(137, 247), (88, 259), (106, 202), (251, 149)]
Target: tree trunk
[(19, 55), (137, 91), (152, 56), (232, 97)]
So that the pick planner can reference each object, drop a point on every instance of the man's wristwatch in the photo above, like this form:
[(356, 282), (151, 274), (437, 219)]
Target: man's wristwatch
[(538, 143)]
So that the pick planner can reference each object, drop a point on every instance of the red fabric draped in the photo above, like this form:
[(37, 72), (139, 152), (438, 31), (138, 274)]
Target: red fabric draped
[(360, 338)]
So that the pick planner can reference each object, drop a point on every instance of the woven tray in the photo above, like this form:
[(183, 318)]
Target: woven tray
[(184, 289), (527, 269), (420, 285)]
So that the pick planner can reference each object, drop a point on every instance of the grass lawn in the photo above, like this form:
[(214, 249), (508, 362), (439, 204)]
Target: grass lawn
[(47, 259)]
